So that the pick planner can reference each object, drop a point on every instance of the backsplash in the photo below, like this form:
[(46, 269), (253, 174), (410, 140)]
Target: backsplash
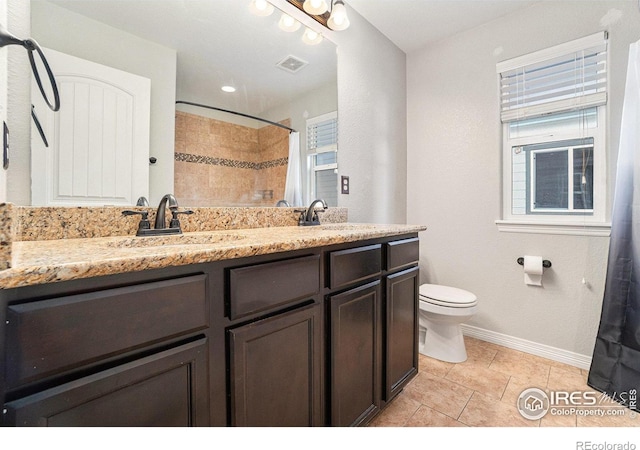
[(27, 223), (6, 234)]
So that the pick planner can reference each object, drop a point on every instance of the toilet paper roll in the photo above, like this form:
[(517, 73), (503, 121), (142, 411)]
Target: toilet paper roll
[(533, 270)]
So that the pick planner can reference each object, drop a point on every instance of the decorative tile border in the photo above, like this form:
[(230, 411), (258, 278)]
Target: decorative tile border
[(210, 160)]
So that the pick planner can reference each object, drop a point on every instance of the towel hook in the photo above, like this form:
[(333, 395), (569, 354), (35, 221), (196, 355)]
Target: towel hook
[(7, 38)]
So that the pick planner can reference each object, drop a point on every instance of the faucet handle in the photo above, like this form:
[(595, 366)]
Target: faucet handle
[(175, 223), (144, 220)]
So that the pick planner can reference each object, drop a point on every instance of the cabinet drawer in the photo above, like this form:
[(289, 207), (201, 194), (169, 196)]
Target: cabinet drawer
[(267, 286), (402, 253), (167, 389), (50, 336), (354, 264)]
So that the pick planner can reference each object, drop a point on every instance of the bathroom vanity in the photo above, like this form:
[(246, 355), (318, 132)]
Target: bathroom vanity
[(268, 327)]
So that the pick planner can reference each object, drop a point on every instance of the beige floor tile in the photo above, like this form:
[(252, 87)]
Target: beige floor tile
[(562, 380), (438, 393), (427, 417), (483, 411), (614, 416), (482, 379), (433, 366), (397, 413), (483, 392), (514, 388), (516, 364), (479, 352), (568, 368), (552, 419)]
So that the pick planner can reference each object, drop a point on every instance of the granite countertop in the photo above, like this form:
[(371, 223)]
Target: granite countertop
[(38, 262)]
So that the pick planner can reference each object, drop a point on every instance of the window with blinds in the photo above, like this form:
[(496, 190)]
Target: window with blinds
[(553, 107), (322, 146), (566, 77)]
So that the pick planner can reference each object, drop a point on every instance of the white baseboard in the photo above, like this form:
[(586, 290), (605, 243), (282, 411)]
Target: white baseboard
[(545, 351)]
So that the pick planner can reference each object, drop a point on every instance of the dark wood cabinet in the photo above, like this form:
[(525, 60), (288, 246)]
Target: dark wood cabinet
[(310, 337), (401, 331), (275, 370), (373, 338), (355, 355), (167, 389)]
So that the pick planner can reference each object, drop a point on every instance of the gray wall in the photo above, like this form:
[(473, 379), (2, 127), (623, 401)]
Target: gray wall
[(372, 124), (96, 42), (454, 175), (18, 108)]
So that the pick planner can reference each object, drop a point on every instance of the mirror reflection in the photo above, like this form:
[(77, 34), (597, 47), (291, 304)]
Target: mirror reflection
[(188, 50)]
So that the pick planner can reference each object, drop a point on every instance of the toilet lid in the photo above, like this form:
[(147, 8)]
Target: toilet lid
[(447, 296)]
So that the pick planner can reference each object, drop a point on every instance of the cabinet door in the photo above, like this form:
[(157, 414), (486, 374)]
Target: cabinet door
[(167, 389), (275, 370), (355, 355), (401, 317)]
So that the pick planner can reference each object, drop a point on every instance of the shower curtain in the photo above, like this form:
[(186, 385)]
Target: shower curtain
[(615, 367), (293, 183)]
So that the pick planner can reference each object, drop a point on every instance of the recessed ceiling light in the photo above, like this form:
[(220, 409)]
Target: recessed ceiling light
[(228, 88)]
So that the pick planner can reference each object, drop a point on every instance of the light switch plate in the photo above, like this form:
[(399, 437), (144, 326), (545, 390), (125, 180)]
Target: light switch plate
[(344, 184)]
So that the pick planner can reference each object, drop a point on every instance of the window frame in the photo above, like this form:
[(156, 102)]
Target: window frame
[(597, 215), (532, 166), (556, 222), (312, 168)]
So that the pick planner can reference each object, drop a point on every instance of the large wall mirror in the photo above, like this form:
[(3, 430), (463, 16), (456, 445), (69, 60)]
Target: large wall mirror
[(189, 50)]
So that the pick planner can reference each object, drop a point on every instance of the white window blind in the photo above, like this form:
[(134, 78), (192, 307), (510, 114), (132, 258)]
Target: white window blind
[(561, 78), (322, 133)]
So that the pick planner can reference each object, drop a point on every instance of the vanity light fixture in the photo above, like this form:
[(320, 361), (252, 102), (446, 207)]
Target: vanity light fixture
[(288, 23), (335, 18), (261, 8), (338, 19), (228, 89), (315, 7), (311, 37)]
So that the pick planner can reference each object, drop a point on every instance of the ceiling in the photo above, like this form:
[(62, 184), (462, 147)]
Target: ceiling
[(219, 42), (414, 24)]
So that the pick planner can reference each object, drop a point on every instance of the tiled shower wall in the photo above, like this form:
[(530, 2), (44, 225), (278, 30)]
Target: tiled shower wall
[(223, 164)]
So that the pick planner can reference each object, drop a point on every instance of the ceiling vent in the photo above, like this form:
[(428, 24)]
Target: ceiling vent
[(292, 64)]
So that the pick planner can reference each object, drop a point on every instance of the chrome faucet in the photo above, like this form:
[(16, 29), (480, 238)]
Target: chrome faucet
[(161, 221), (283, 203), (310, 217)]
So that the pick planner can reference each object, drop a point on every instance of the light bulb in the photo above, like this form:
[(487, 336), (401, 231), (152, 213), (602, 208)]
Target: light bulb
[(288, 23), (315, 7), (261, 7), (311, 37), (338, 19)]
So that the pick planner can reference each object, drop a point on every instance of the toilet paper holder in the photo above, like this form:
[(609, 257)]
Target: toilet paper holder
[(545, 263)]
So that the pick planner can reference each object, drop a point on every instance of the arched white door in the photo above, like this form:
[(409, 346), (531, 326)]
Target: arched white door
[(98, 150)]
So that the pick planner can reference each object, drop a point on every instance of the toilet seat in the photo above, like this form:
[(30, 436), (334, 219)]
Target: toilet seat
[(447, 296)]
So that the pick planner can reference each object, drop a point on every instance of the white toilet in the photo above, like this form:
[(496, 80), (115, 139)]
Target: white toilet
[(442, 310)]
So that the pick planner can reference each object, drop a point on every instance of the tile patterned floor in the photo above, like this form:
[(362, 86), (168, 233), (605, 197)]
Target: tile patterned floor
[(483, 392)]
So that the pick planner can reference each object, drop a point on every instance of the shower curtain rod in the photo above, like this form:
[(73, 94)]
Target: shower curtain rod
[(291, 130)]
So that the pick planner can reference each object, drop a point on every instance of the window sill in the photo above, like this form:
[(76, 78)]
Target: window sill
[(550, 227)]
